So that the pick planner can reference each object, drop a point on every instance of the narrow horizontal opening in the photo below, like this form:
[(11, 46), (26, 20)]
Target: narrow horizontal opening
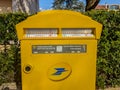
[(78, 32), (55, 32), (39, 32)]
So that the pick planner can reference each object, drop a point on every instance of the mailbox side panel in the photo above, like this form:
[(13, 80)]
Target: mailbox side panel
[(56, 69)]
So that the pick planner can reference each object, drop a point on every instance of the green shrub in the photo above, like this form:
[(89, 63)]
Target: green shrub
[(7, 66), (108, 63), (10, 55)]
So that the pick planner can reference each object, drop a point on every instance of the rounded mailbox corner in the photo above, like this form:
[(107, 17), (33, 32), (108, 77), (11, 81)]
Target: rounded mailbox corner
[(27, 68)]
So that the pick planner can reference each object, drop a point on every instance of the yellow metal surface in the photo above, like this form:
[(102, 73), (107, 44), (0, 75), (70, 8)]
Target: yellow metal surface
[(58, 74), (83, 66), (58, 19), (55, 68)]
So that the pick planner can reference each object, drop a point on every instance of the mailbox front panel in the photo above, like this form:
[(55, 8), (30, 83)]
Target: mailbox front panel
[(58, 64)]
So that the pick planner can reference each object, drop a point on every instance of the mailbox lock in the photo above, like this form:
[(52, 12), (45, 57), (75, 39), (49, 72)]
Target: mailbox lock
[(27, 68)]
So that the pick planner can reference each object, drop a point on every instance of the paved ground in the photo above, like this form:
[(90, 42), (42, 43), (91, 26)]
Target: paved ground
[(8, 86), (111, 89), (12, 86)]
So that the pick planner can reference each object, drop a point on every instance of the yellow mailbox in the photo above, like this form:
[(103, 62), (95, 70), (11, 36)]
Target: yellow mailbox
[(58, 51)]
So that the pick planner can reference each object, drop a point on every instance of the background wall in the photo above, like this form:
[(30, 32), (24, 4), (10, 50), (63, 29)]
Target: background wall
[(5, 6)]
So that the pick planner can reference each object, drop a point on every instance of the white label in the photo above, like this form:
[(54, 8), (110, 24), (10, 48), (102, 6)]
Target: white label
[(59, 48)]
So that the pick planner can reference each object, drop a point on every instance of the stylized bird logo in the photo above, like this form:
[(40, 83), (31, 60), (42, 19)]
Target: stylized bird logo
[(59, 71)]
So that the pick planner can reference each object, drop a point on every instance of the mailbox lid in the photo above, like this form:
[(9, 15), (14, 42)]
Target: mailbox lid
[(58, 19)]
